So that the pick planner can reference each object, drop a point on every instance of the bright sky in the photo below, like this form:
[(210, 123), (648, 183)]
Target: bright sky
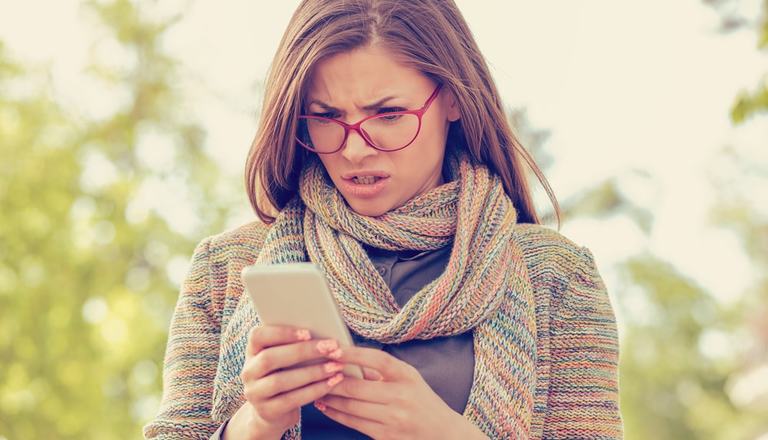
[(623, 85)]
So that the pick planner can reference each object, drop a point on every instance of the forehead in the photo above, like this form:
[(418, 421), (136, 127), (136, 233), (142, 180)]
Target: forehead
[(362, 74)]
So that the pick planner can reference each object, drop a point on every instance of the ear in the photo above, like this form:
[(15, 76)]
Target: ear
[(454, 113)]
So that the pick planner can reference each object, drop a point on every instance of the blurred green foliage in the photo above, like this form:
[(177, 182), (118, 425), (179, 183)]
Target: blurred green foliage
[(692, 367), (89, 274), (748, 102), (85, 291)]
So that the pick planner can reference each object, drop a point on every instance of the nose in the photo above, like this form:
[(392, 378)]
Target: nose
[(356, 148)]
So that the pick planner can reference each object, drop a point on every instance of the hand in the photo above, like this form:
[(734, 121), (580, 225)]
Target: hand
[(392, 402), (275, 388)]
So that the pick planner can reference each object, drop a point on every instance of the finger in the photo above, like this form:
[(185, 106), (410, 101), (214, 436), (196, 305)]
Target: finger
[(264, 336), (390, 367), (291, 400), (283, 356), (371, 374), (375, 412), (366, 390), (367, 427), (293, 378)]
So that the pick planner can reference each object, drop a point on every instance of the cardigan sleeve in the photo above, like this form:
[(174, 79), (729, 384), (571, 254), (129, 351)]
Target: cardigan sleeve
[(191, 357), (218, 435), (583, 401)]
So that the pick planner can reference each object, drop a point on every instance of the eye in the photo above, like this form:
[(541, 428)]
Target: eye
[(390, 109), (325, 115), (390, 118)]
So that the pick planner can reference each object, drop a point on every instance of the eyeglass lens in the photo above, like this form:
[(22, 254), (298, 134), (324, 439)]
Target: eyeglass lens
[(387, 132)]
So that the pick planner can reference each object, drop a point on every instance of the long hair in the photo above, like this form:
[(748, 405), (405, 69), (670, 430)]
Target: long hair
[(428, 35)]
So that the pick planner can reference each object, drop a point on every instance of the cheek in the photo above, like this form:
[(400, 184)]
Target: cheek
[(329, 163), (420, 162)]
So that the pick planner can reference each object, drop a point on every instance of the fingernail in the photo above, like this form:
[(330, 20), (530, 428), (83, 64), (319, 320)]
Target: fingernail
[(303, 335), (335, 354), (332, 367), (320, 405), (375, 375), (338, 377), (327, 345)]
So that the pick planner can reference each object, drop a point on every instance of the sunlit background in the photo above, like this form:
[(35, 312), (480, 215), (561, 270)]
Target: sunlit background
[(124, 126)]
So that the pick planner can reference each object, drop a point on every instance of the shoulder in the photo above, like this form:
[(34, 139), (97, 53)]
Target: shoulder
[(241, 242), (217, 262), (548, 252), (564, 275)]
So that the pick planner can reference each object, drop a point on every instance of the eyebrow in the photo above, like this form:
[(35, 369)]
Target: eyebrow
[(375, 105)]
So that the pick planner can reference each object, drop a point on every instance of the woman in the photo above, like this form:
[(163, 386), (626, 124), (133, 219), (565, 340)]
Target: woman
[(384, 156)]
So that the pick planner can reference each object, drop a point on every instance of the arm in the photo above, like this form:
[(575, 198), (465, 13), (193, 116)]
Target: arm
[(190, 360), (583, 397)]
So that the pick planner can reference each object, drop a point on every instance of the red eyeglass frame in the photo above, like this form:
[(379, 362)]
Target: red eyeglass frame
[(356, 126)]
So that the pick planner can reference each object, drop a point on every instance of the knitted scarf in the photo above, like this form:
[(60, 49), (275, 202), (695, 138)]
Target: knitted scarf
[(484, 288)]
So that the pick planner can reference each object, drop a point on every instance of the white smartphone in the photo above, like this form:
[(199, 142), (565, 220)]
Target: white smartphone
[(296, 294)]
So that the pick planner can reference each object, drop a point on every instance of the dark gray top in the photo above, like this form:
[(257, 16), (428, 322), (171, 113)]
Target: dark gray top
[(446, 363)]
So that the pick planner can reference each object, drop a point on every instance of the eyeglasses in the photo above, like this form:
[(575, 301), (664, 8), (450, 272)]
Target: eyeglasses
[(390, 131)]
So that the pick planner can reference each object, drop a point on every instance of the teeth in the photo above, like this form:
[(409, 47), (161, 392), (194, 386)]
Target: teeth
[(366, 180)]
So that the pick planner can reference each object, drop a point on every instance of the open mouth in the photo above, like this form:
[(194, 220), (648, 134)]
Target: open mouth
[(366, 180)]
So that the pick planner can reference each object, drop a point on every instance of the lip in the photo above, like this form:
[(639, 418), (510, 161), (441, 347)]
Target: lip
[(349, 187)]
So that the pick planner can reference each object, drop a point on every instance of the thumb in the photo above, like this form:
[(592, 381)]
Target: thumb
[(371, 374)]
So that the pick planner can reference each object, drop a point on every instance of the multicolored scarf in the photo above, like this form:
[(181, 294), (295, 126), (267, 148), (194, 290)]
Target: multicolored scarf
[(484, 288)]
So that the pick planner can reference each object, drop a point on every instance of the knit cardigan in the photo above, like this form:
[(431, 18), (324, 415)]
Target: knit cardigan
[(577, 348)]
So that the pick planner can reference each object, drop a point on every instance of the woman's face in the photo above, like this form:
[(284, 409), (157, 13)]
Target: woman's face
[(348, 82)]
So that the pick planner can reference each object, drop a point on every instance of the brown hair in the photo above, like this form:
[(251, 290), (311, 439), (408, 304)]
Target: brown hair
[(428, 35)]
